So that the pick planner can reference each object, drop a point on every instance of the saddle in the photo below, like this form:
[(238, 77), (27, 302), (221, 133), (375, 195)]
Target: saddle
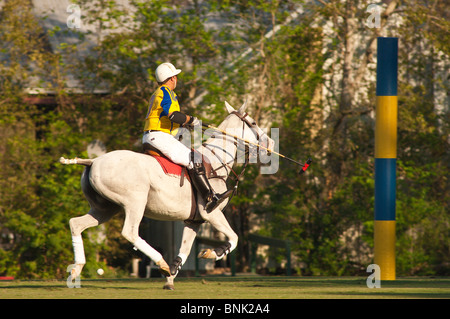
[(173, 169), (169, 167)]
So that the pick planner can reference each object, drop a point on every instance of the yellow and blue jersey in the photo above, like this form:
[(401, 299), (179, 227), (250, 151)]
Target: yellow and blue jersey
[(163, 102)]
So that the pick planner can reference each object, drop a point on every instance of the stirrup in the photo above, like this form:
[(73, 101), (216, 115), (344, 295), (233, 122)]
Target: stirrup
[(216, 200)]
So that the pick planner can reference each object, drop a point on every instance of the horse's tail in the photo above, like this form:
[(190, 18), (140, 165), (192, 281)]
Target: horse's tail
[(76, 160)]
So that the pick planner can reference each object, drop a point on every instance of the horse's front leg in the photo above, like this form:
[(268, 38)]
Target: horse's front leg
[(220, 223), (189, 233)]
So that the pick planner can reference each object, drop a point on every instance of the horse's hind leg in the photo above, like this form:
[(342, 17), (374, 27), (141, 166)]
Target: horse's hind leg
[(77, 226), (189, 233), (133, 217)]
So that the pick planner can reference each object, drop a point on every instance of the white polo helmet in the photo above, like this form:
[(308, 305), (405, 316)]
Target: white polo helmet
[(166, 70)]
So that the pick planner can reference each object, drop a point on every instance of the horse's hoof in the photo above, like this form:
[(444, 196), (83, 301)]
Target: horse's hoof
[(168, 287), (164, 272), (207, 254), (164, 268)]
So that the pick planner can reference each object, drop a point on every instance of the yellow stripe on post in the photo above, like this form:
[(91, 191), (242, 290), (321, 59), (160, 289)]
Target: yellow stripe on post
[(386, 127), (384, 241)]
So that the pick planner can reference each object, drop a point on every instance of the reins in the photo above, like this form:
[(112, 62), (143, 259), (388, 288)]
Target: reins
[(237, 177)]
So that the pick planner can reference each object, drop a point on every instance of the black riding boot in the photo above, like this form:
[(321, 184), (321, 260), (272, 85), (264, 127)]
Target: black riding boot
[(201, 184)]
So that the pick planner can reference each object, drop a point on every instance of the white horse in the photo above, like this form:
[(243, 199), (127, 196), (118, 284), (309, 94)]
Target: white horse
[(136, 184)]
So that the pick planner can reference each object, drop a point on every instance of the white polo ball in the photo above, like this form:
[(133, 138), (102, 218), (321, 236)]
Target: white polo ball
[(100, 271)]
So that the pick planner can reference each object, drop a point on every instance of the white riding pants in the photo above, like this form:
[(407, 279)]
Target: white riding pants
[(169, 146)]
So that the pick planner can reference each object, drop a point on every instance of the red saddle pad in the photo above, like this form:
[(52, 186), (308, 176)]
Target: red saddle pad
[(168, 166)]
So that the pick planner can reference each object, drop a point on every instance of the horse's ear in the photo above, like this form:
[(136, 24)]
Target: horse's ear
[(243, 107), (229, 107)]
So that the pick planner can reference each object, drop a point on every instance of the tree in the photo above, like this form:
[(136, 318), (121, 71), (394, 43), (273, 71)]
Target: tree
[(423, 155), (306, 68), (37, 195), (329, 215)]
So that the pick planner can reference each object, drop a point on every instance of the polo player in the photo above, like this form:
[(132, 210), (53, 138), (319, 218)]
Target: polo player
[(162, 122)]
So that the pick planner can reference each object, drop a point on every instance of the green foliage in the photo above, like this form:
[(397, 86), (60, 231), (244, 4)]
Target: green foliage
[(327, 213)]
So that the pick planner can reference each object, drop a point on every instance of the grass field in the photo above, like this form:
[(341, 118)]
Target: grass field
[(227, 287)]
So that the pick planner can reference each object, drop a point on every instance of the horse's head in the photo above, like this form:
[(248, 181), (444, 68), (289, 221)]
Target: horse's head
[(251, 131)]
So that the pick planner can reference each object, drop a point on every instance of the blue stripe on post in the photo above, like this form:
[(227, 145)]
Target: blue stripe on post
[(385, 188), (387, 60)]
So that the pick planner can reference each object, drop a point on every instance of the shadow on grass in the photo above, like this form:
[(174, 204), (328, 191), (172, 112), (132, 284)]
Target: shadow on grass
[(87, 283), (344, 287), (240, 286)]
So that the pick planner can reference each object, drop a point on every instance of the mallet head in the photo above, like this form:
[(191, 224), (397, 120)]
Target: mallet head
[(305, 166)]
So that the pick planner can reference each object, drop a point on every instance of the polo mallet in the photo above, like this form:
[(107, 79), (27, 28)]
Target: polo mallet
[(303, 168)]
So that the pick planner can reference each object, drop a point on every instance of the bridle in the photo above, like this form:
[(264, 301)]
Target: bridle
[(245, 121)]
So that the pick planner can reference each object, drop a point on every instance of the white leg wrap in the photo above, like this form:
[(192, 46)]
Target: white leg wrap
[(233, 245), (183, 258), (152, 253), (78, 250)]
